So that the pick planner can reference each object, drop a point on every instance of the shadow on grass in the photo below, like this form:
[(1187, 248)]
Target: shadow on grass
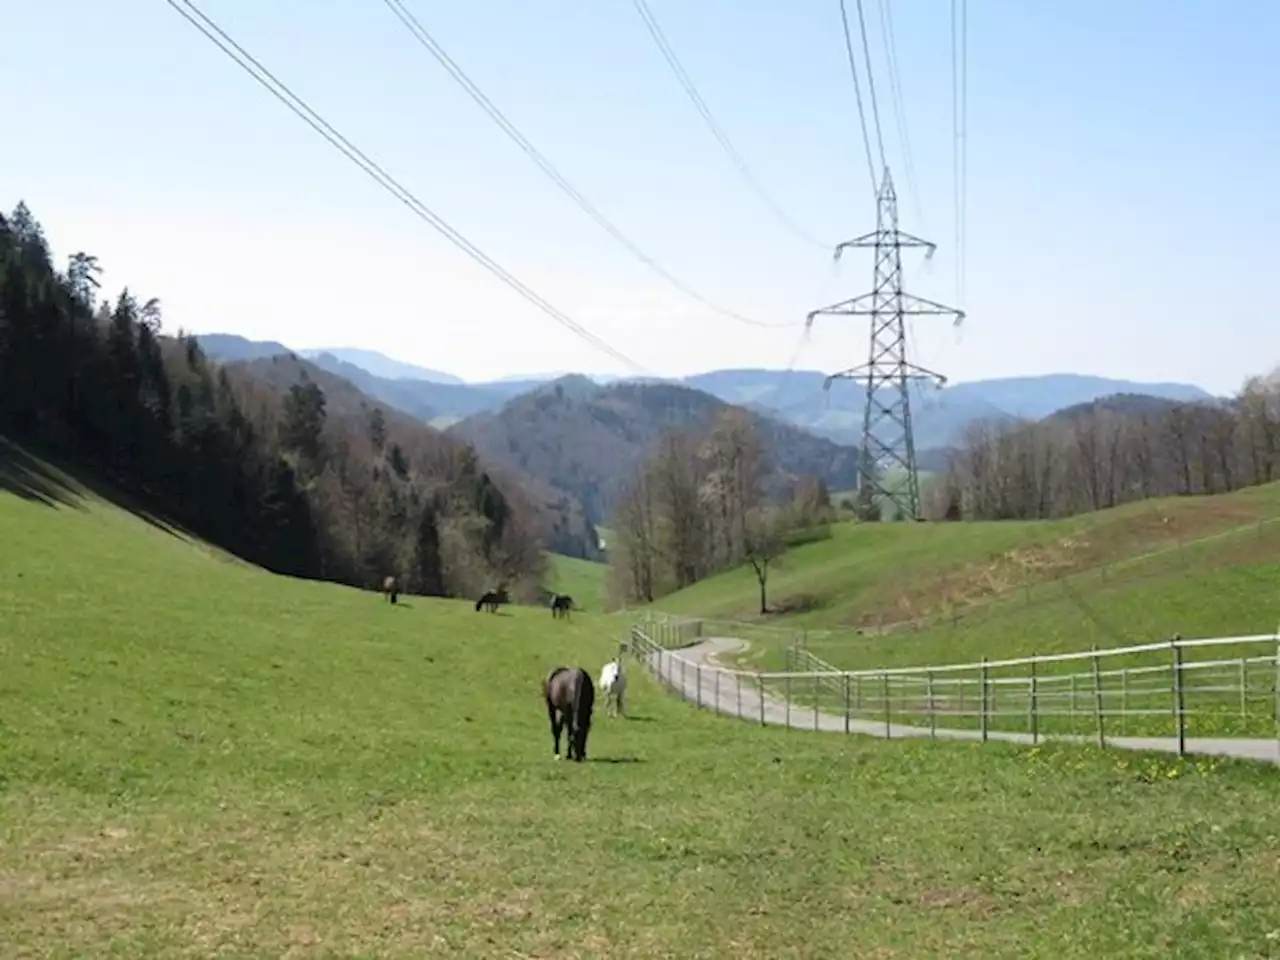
[(37, 481), (614, 760), (24, 476)]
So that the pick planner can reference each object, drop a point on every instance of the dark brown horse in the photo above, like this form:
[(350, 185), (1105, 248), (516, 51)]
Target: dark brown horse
[(561, 604), (570, 697), (391, 588), (490, 600)]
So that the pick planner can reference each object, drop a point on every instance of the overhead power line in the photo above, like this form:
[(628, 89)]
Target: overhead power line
[(899, 107), (291, 100), (871, 80), (959, 135), (857, 95), (669, 54), (432, 46)]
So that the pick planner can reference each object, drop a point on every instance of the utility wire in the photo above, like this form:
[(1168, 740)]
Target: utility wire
[(432, 46), (717, 131), (295, 103), (871, 82), (964, 149), (899, 107), (857, 95), (959, 124)]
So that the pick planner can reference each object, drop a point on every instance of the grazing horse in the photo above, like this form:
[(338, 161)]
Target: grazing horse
[(570, 697), (491, 600), (391, 588), (561, 604), (613, 681)]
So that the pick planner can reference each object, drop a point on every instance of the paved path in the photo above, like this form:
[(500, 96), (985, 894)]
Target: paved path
[(722, 691)]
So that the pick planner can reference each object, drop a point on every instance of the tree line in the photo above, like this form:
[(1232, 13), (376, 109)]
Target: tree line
[(701, 502), (270, 475), (1110, 452)]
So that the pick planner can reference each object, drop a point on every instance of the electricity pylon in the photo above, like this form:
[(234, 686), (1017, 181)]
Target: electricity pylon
[(888, 373)]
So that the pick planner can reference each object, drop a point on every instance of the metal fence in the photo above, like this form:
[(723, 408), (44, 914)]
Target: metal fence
[(1212, 690)]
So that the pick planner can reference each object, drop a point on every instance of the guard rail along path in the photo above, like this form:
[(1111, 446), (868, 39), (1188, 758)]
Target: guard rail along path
[(1217, 696)]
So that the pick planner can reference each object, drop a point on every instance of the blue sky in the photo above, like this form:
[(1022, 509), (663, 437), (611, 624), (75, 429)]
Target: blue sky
[(1124, 178)]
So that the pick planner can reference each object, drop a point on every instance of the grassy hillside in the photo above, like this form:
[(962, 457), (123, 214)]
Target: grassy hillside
[(963, 577), (198, 758), (584, 580)]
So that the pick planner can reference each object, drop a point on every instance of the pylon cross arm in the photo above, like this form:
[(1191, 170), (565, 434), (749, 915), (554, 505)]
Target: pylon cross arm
[(887, 238), (893, 371), (880, 303)]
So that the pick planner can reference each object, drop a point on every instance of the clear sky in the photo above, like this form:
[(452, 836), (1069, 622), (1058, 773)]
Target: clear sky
[(1124, 178)]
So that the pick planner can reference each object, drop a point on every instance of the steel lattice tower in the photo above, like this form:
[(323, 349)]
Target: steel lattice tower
[(888, 373)]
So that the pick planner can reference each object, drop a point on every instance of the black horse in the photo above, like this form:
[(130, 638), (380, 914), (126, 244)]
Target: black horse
[(491, 600), (561, 604), (570, 696)]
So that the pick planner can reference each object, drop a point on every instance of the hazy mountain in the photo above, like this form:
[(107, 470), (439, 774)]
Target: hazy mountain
[(586, 439), (1123, 404), (796, 396), (380, 365), (939, 415), (229, 347)]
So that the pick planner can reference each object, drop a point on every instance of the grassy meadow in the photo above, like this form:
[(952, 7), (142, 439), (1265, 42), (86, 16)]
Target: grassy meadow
[(917, 578), (198, 758), (584, 580)]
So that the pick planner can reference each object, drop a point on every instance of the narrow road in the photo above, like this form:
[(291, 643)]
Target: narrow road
[(723, 692)]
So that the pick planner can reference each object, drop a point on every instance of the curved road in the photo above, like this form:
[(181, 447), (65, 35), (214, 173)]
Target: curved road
[(722, 692)]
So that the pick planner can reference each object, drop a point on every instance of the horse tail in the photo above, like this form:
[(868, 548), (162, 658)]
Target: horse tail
[(577, 697), (479, 604)]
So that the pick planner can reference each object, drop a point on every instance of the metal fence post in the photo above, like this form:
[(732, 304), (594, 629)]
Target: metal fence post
[(933, 711), (846, 703), (888, 710), (983, 710), (1244, 686), (1275, 691), (1097, 697), (1179, 712), (1124, 701), (1034, 706), (815, 701)]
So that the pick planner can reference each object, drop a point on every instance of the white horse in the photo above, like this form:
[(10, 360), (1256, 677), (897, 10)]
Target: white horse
[(613, 682)]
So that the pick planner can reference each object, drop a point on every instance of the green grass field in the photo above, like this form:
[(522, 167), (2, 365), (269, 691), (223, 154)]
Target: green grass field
[(198, 758), (868, 575), (583, 580)]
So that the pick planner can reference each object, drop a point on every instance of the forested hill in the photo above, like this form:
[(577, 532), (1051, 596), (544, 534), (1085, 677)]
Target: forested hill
[(558, 521), (586, 440), (297, 479)]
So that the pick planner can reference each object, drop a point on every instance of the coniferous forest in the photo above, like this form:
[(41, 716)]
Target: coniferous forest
[(269, 473)]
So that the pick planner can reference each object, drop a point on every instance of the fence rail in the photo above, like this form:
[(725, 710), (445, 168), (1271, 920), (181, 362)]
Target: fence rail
[(1217, 688)]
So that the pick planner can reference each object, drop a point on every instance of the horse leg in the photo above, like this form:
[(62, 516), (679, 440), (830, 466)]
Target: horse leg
[(556, 724)]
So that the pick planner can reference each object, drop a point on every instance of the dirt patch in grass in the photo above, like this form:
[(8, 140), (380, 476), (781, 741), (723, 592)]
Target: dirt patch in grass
[(1215, 529)]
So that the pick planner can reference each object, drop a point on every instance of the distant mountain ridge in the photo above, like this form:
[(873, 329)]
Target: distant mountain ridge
[(380, 365), (586, 439), (796, 396)]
